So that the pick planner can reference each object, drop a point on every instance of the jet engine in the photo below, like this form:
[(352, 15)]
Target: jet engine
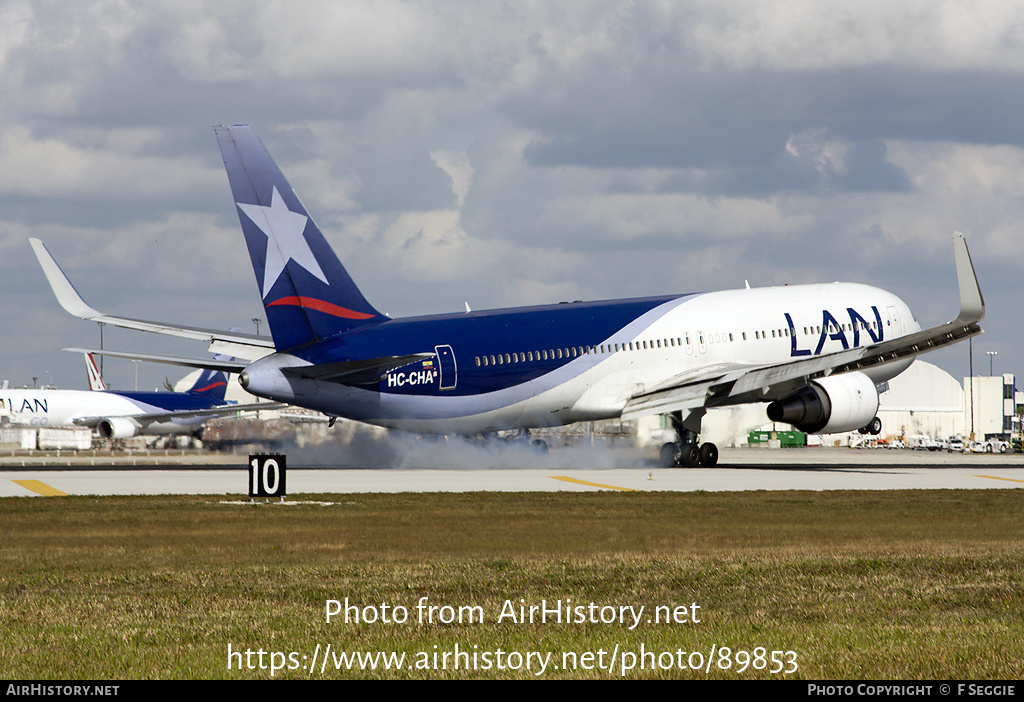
[(117, 428), (828, 405)]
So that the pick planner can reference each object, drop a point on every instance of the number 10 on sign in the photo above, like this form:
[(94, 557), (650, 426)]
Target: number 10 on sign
[(266, 475)]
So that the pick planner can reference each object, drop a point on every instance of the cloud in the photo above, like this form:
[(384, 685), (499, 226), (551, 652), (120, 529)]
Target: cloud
[(510, 153), (812, 35)]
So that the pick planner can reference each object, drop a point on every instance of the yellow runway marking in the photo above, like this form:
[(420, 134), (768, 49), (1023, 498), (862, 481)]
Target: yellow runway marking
[(41, 488), (584, 482), (994, 477)]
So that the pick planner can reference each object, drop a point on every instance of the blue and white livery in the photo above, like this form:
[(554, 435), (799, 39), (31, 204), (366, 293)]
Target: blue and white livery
[(815, 353), (120, 415)]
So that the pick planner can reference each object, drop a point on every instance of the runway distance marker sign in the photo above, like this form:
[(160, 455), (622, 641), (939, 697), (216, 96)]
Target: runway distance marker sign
[(267, 475)]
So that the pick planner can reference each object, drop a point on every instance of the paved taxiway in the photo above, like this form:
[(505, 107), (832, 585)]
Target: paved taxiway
[(741, 469)]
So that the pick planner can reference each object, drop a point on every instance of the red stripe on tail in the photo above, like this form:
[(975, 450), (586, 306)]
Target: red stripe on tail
[(312, 303)]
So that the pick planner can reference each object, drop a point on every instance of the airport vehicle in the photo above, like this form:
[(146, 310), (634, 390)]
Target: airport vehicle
[(815, 353), (120, 415), (927, 443), (995, 445)]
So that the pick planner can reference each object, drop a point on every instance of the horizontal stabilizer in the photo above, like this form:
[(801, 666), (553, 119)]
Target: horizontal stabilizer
[(214, 364)]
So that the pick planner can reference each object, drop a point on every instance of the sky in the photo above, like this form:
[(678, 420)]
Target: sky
[(507, 153)]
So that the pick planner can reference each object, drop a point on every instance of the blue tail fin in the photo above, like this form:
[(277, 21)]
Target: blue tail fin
[(211, 384), (306, 291)]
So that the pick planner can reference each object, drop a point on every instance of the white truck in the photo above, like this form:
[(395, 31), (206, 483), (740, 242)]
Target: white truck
[(995, 445)]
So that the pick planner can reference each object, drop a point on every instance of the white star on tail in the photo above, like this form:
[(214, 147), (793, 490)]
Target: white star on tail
[(284, 239)]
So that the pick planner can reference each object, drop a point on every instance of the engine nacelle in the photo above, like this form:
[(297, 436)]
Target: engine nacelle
[(117, 428), (828, 405)]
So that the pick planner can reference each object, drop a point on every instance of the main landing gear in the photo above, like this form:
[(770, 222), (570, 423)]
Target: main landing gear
[(686, 452), (689, 455), (874, 427), (522, 438)]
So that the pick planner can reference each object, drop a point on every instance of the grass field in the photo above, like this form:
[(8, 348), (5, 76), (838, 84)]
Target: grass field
[(881, 585)]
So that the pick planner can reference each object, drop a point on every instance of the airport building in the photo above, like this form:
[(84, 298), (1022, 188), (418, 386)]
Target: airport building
[(990, 405), (923, 401)]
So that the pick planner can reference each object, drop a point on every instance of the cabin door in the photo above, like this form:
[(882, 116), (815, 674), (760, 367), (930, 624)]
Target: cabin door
[(447, 367)]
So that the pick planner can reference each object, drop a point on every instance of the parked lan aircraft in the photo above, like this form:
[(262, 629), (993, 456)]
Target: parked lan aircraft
[(816, 353), (96, 381), (120, 415)]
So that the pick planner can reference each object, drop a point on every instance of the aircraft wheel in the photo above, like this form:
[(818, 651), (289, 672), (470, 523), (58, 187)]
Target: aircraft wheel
[(875, 427), (690, 457), (669, 456), (539, 446), (709, 455)]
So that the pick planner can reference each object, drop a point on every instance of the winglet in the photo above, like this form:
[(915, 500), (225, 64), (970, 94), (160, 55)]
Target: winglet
[(972, 305), (66, 294)]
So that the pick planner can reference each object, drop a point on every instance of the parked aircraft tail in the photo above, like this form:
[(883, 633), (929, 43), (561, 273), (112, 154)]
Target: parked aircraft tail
[(95, 379), (211, 383), (307, 293)]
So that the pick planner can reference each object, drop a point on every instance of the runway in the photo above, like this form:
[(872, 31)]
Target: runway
[(740, 469)]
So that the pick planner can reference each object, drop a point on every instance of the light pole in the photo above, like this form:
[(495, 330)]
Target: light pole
[(101, 347), (991, 355), (970, 351)]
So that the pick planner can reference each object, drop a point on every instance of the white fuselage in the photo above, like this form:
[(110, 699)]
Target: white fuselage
[(747, 327), (61, 408)]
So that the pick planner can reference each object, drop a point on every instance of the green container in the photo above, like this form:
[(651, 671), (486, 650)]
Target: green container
[(787, 439)]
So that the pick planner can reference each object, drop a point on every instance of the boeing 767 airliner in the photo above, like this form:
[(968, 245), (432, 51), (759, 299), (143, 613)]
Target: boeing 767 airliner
[(815, 353)]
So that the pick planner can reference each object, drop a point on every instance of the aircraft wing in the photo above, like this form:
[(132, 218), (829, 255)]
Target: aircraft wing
[(218, 411), (715, 384), (247, 346)]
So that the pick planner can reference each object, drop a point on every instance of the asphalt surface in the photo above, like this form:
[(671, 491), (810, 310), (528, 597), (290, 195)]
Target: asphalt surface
[(570, 470)]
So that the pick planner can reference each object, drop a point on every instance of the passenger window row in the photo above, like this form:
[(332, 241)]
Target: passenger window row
[(645, 345), (576, 351)]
